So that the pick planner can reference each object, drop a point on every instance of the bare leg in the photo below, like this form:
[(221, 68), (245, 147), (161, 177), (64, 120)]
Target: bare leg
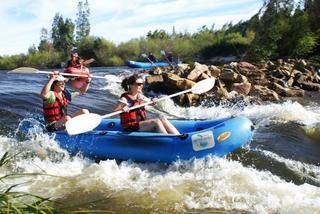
[(152, 125), (168, 126)]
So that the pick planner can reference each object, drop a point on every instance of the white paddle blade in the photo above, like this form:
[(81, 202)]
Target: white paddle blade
[(83, 123), (25, 70), (203, 86)]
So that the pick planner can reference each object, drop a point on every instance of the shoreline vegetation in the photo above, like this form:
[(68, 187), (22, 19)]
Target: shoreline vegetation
[(281, 29)]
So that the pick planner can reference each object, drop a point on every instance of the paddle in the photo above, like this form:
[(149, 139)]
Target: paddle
[(145, 56), (163, 53), (87, 122), (88, 61), (28, 70)]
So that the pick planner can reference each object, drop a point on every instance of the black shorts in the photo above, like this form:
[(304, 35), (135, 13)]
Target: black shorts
[(53, 128), (133, 128)]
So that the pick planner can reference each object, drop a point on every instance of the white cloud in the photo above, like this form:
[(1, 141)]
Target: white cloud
[(118, 20)]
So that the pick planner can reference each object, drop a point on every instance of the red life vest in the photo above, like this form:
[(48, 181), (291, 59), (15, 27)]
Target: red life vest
[(133, 117), (55, 111), (74, 64)]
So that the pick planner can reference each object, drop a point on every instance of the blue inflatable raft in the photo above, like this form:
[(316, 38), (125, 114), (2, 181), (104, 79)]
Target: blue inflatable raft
[(199, 138), (145, 65)]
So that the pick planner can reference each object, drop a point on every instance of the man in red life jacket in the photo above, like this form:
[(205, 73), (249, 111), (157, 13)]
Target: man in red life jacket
[(55, 102)]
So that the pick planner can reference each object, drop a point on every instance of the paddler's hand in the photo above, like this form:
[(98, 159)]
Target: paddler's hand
[(89, 79), (54, 74), (154, 101), (125, 109)]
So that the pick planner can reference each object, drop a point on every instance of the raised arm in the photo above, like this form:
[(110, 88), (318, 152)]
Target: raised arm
[(46, 88), (84, 88)]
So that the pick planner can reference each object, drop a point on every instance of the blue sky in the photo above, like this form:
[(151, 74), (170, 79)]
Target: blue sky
[(117, 20)]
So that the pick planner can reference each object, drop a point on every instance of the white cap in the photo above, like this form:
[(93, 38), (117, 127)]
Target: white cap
[(60, 78)]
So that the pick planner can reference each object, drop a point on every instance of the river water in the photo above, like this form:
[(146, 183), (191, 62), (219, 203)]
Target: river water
[(278, 172)]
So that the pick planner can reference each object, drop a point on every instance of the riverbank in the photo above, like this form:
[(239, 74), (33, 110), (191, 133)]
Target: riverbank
[(270, 81)]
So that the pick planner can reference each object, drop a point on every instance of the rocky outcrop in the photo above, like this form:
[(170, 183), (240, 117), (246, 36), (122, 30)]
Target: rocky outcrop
[(271, 81)]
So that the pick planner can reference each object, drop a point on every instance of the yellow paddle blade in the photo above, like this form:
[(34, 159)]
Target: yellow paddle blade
[(26, 70)]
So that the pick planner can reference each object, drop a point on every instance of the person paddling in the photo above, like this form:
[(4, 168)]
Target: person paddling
[(75, 61), (55, 102), (151, 57), (136, 120), (77, 66), (169, 57)]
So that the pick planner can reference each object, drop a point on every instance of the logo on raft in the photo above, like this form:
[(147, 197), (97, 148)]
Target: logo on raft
[(223, 136), (202, 141)]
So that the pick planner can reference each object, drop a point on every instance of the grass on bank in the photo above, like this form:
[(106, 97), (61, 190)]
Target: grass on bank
[(20, 202)]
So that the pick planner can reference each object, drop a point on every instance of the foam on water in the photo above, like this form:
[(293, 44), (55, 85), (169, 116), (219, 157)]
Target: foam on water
[(265, 113), (312, 131), (209, 183)]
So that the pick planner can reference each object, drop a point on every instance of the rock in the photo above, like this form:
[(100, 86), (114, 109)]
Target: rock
[(241, 88), (241, 79), (287, 92), (197, 71), (250, 71), (270, 66), (188, 99), (173, 81), (156, 71), (215, 71), (310, 86), (222, 93), (290, 81), (228, 75), (182, 69), (233, 65), (203, 76), (264, 93), (279, 62), (154, 79), (300, 64)]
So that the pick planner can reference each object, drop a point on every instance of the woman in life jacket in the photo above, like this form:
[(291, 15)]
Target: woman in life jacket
[(77, 66), (136, 120), (55, 102), (75, 61)]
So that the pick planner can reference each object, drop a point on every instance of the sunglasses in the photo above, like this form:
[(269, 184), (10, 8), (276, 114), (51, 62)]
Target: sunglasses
[(139, 83)]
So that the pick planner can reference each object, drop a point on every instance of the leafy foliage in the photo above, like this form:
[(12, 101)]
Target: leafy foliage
[(62, 34), (82, 22), (281, 29)]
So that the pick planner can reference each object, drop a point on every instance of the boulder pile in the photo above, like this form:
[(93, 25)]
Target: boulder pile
[(271, 81)]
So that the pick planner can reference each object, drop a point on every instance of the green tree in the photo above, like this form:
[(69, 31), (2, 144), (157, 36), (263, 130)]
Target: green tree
[(312, 7), (45, 43), (82, 22), (270, 29), (62, 34)]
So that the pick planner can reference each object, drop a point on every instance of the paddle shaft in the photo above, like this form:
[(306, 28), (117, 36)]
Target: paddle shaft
[(152, 63), (147, 103), (72, 75), (165, 55)]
